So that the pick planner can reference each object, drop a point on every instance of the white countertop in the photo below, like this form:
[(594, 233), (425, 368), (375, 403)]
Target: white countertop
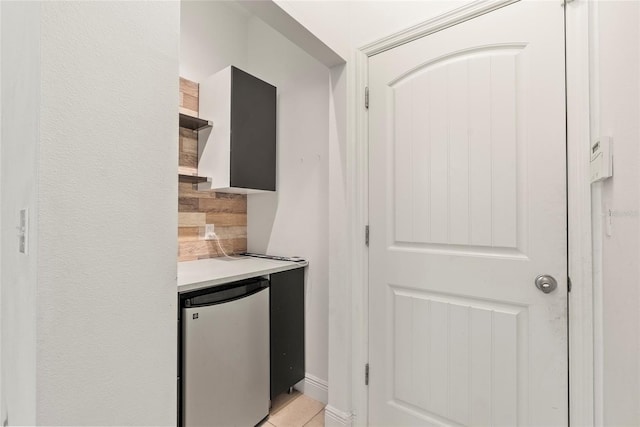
[(204, 273)]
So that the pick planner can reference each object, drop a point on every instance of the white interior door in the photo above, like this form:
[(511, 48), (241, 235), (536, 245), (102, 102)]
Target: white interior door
[(468, 206)]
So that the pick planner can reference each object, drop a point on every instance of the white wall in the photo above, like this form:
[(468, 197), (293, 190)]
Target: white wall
[(294, 220), (89, 102), (615, 85), (340, 307), (19, 157), (213, 35), (107, 213)]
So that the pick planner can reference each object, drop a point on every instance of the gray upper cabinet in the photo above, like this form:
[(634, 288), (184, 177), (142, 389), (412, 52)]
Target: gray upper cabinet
[(239, 153)]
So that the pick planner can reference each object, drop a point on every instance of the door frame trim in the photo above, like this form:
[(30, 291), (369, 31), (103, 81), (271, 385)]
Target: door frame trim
[(582, 367), (438, 23), (580, 319)]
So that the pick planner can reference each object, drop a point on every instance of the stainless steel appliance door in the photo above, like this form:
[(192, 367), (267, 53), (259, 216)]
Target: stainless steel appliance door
[(226, 362)]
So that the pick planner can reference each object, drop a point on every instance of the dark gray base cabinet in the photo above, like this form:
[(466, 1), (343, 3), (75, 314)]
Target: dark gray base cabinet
[(287, 330)]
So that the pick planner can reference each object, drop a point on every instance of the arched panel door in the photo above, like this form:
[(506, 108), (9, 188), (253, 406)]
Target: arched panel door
[(467, 208)]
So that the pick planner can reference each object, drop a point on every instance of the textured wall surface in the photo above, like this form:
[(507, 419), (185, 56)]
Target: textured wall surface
[(228, 212), (218, 28), (616, 113), (108, 191), (294, 220), (19, 157)]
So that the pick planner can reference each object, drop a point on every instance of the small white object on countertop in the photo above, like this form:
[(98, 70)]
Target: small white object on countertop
[(204, 273)]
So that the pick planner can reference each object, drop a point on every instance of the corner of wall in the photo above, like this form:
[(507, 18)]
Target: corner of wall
[(335, 418), (314, 387)]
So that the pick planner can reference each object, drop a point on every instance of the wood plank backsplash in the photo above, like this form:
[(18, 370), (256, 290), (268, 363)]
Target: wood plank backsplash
[(196, 208)]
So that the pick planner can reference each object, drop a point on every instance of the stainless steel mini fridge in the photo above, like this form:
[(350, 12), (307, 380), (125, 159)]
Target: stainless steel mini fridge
[(225, 355)]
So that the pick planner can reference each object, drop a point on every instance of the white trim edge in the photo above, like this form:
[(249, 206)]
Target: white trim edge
[(314, 387), (335, 417), (446, 20), (358, 190), (580, 262)]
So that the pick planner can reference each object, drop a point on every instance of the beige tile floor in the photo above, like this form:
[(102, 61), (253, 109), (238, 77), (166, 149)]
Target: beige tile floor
[(295, 410)]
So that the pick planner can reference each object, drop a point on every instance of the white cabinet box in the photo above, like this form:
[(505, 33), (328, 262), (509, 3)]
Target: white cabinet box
[(239, 154)]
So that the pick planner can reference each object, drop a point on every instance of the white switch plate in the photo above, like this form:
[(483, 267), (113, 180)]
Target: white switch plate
[(23, 231), (601, 159)]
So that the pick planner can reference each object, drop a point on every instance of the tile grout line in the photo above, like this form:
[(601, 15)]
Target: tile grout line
[(285, 405), (269, 422), (314, 415)]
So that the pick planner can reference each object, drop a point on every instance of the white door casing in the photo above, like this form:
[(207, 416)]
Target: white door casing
[(467, 205)]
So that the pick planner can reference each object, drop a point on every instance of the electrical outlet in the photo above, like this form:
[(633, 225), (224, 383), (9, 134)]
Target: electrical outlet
[(209, 232)]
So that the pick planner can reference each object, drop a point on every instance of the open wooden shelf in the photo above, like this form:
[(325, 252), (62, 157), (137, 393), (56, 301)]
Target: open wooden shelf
[(194, 123), (193, 179)]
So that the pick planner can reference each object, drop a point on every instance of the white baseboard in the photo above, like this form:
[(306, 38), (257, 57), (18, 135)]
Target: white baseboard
[(318, 389), (314, 387), (335, 417)]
